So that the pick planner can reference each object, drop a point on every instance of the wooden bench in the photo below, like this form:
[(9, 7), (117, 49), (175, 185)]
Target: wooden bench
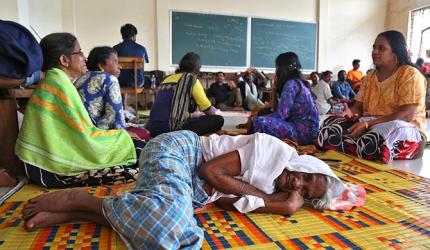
[(135, 64), (9, 127)]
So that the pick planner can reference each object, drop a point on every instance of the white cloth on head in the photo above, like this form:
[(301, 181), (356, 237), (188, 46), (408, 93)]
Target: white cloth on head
[(263, 158)]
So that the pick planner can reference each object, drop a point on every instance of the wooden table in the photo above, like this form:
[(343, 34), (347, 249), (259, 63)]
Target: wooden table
[(9, 128)]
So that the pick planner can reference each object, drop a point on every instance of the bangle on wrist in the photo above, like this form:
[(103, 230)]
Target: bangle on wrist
[(366, 124)]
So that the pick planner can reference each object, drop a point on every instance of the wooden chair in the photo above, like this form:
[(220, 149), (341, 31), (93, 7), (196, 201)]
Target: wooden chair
[(133, 63)]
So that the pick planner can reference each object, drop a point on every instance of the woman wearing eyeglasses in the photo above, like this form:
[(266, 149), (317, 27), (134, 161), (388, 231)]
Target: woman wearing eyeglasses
[(58, 143)]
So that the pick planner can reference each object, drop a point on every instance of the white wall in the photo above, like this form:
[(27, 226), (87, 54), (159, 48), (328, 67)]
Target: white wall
[(398, 17), (398, 13), (98, 22), (43, 15), (9, 10), (348, 30)]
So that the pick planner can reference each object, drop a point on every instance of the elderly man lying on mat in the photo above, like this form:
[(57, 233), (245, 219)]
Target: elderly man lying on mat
[(180, 171)]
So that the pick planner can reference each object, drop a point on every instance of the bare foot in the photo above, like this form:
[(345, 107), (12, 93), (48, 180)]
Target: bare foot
[(46, 219), (59, 201)]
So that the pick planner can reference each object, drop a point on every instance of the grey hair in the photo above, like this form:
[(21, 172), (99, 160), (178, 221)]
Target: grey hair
[(325, 201)]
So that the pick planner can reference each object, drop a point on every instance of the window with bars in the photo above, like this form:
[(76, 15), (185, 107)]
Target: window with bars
[(419, 34)]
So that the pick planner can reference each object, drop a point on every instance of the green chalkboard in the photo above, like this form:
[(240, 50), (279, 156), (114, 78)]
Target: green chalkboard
[(270, 37), (220, 40)]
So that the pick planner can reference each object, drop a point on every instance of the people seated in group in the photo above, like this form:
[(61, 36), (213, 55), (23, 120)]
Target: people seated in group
[(100, 91), (180, 171), (422, 66), (58, 143), (354, 76), (295, 115), (178, 96), (341, 89), (130, 48), (322, 91), (226, 94), (387, 120), (249, 90)]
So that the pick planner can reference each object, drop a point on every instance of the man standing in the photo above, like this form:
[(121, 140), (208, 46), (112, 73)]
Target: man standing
[(129, 47), (354, 75)]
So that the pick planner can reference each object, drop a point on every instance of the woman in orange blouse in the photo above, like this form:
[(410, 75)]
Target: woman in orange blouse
[(387, 120)]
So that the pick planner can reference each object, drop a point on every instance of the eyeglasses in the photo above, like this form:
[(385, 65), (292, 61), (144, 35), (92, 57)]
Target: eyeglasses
[(80, 53)]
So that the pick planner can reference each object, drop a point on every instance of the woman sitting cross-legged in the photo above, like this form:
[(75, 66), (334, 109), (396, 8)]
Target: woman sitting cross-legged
[(389, 110), (295, 115), (180, 171), (58, 143), (99, 89), (101, 94), (179, 95)]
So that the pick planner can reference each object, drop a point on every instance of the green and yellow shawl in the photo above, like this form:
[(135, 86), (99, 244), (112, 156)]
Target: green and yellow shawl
[(58, 136)]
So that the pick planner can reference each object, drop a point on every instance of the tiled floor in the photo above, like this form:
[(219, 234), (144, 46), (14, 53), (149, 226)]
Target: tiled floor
[(416, 166)]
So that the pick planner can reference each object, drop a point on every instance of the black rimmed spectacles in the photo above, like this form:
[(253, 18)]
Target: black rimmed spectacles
[(80, 53)]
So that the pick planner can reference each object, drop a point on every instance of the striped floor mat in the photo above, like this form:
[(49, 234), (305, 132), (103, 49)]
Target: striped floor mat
[(396, 216)]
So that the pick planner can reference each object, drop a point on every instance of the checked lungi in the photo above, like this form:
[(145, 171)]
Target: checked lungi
[(158, 213)]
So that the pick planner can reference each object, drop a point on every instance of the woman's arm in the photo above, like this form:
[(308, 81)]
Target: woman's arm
[(405, 113), (354, 112), (198, 94), (220, 173), (278, 203), (282, 203)]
